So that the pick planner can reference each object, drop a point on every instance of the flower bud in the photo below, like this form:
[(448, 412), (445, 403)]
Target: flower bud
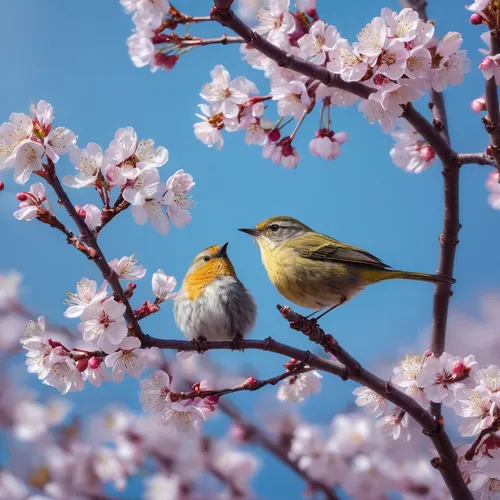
[(94, 363), (427, 153), (428, 353), (489, 150), (251, 382), (487, 63), (81, 364), (80, 211), (274, 135), (2, 185), (476, 19), (458, 368), (478, 105), (22, 196), (380, 79), (287, 149), (54, 343), (165, 61)]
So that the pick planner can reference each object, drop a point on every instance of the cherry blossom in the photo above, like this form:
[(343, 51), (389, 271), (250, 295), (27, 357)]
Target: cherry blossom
[(103, 324), (147, 13), (25, 159), (154, 391), (151, 210), (475, 406), (298, 387), (208, 130), (140, 47), (350, 432), (16, 130), (405, 377), (489, 378), (493, 186), (392, 95), (148, 156), (347, 62), (88, 162), (129, 358), (225, 95), (186, 416), (282, 152), (478, 6), (34, 203), (293, 98), (320, 39), (370, 401), (59, 141), (490, 66), (127, 269), (162, 487), (395, 426), (175, 199), (120, 149), (96, 373), (142, 184), (372, 38), (163, 285), (86, 295), (58, 369), (276, 23), (326, 144), (393, 60), (486, 478), (441, 377), (92, 216), (375, 113), (419, 63), (402, 25)]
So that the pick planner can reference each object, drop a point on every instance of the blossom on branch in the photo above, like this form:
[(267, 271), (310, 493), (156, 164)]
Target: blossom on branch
[(163, 285), (126, 268), (297, 387), (86, 295), (128, 358), (88, 162), (33, 203)]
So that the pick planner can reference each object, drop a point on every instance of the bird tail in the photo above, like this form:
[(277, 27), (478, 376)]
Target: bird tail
[(431, 278)]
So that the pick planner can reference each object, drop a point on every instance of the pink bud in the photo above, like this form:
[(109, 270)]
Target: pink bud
[(22, 196), (274, 135), (54, 343), (489, 150), (458, 368), (478, 105), (427, 153), (287, 149), (80, 211), (2, 185), (476, 19), (131, 286), (81, 364), (94, 363), (428, 353), (380, 79), (251, 382), (487, 63), (165, 61)]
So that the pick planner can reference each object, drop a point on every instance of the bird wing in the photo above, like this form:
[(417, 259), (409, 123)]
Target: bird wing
[(317, 246)]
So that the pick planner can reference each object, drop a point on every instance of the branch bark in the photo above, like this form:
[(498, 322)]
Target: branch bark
[(492, 120), (475, 158)]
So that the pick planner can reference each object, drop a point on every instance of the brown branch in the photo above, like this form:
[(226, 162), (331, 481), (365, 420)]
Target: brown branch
[(492, 120), (251, 384), (90, 240), (475, 158), (257, 436), (223, 40), (109, 213)]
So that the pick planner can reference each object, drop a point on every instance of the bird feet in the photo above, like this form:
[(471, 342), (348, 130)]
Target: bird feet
[(200, 344), (238, 343)]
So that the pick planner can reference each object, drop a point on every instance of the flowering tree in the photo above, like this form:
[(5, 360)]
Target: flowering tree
[(311, 69)]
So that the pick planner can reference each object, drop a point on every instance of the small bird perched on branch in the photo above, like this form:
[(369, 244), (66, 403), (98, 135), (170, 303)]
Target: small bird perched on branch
[(315, 271), (212, 303)]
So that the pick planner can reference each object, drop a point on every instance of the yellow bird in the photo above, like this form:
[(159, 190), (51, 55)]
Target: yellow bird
[(315, 271)]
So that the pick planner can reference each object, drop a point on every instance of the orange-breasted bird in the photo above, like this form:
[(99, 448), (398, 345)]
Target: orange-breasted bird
[(212, 303), (315, 271)]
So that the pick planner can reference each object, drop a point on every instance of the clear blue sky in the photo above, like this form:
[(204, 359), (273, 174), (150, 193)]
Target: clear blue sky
[(73, 54)]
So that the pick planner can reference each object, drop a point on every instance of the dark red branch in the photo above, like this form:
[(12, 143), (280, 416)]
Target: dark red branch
[(492, 120)]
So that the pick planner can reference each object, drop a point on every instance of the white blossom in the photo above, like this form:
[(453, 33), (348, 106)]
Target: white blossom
[(347, 62), (292, 97), (401, 25), (186, 416), (370, 401), (320, 39), (151, 210), (140, 48), (474, 405), (142, 184), (489, 378), (103, 324), (162, 487), (88, 162), (298, 387), (25, 159), (176, 199), (92, 216), (35, 201), (129, 358), (163, 285), (405, 377), (150, 157), (372, 38), (276, 23), (395, 426), (86, 295), (16, 130), (127, 269), (154, 391), (59, 141), (393, 60), (208, 131)]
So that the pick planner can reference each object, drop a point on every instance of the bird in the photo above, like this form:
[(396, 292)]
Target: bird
[(317, 272), (212, 303)]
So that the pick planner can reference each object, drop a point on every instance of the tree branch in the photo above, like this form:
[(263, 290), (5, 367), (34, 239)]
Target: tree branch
[(475, 158), (223, 40), (100, 261), (492, 120)]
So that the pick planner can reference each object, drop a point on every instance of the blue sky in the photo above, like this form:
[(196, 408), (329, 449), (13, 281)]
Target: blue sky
[(73, 54)]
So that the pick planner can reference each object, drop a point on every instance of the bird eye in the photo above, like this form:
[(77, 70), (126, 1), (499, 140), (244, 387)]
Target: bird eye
[(274, 227), (206, 258)]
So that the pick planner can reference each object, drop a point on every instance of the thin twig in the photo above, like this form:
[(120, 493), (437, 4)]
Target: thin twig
[(222, 40), (475, 158), (250, 384)]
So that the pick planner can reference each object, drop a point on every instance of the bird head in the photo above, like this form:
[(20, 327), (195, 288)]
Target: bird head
[(207, 266), (276, 230)]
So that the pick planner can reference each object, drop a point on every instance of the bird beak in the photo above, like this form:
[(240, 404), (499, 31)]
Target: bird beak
[(221, 253), (251, 231)]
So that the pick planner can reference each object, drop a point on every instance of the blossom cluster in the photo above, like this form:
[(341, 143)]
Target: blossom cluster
[(473, 394), (128, 164), (104, 331)]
